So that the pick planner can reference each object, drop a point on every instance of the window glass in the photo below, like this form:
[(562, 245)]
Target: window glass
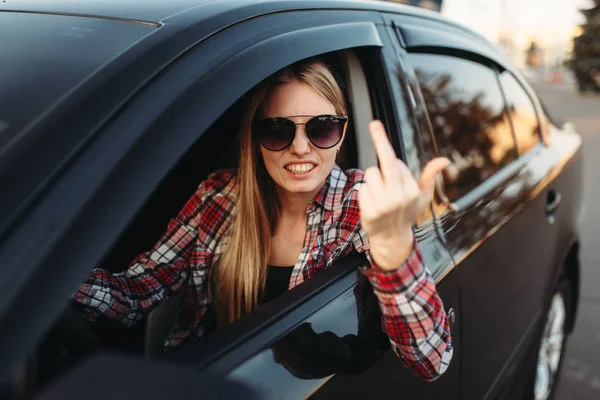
[(343, 338), (469, 120), (522, 113)]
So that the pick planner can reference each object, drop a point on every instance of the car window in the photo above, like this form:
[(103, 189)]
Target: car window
[(71, 337), (468, 117), (522, 113), (180, 145)]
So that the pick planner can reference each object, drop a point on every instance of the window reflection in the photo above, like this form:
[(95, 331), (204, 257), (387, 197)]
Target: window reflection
[(469, 121), (522, 113), (344, 337), (319, 348)]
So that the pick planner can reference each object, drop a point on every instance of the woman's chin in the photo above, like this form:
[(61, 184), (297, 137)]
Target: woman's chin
[(302, 187)]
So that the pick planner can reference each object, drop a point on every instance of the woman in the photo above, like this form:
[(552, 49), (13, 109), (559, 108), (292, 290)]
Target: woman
[(287, 213)]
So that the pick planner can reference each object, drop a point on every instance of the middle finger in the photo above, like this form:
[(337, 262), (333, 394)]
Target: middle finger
[(385, 151)]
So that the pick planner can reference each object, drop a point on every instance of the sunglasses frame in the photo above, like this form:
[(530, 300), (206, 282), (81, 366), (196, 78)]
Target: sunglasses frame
[(338, 117)]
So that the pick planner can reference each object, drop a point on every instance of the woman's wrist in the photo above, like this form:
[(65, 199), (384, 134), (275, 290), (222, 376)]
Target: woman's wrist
[(390, 253)]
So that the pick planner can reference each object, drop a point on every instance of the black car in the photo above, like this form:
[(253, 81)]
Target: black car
[(111, 114)]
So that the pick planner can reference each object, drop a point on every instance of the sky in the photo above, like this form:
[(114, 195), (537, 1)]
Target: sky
[(551, 23)]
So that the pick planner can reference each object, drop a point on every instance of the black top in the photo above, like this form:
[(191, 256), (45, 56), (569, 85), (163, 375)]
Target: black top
[(278, 281)]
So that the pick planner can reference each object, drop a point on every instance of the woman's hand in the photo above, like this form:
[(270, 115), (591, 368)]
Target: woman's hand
[(391, 199)]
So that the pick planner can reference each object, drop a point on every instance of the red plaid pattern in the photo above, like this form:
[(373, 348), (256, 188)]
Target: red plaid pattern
[(412, 312)]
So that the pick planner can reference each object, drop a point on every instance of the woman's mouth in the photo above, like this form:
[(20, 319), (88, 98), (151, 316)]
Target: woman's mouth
[(298, 169)]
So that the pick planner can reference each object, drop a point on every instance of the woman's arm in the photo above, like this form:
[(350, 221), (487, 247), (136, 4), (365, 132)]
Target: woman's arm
[(390, 200), (154, 275), (151, 277), (413, 316)]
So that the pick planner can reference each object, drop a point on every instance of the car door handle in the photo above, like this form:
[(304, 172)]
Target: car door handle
[(553, 202), (451, 316)]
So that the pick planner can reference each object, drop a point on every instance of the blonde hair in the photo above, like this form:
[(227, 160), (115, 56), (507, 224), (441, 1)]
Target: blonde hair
[(240, 274)]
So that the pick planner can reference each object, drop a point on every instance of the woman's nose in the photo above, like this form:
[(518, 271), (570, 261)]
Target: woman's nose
[(301, 144)]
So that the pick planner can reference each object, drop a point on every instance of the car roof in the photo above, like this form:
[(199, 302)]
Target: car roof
[(132, 10), (46, 57), (155, 11)]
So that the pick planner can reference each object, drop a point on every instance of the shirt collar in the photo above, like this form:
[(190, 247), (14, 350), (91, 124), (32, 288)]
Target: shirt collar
[(332, 192)]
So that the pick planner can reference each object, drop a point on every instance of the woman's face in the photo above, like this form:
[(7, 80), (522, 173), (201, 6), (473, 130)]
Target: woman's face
[(297, 98)]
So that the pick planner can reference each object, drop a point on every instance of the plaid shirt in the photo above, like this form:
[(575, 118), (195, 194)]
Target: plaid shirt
[(413, 316)]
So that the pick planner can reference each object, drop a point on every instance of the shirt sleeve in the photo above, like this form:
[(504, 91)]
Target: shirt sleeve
[(413, 315), (156, 274)]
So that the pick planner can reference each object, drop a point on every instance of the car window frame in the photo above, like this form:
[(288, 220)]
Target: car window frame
[(411, 149), (246, 337)]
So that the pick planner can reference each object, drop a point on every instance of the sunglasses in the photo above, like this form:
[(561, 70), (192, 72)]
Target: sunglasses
[(278, 133)]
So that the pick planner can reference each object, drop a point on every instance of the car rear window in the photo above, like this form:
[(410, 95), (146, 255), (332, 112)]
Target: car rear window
[(469, 119), (522, 113), (43, 57)]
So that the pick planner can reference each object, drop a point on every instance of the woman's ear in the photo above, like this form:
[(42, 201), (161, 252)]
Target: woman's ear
[(344, 133)]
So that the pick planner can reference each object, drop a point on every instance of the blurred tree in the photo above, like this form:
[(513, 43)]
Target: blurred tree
[(586, 51), (533, 57), (435, 5)]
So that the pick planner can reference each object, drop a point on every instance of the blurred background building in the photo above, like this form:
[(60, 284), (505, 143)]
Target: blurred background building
[(538, 31), (534, 33), (540, 36), (435, 5)]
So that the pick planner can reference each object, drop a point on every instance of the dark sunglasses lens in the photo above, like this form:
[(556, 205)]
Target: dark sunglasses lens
[(325, 131), (275, 133)]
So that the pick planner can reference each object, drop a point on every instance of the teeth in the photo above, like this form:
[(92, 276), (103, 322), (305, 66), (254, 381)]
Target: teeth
[(299, 168)]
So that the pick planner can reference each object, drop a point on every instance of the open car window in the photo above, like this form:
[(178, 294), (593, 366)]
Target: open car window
[(71, 339)]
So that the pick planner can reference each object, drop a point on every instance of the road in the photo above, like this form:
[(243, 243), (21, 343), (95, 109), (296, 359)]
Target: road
[(581, 369)]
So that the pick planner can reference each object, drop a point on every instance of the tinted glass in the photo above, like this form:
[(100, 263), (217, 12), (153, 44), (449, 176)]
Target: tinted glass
[(469, 119), (522, 112), (43, 57), (342, 338)]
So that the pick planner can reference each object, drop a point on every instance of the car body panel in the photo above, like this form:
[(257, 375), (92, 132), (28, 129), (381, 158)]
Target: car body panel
[(81, 45), (168, 381), (68, 51)]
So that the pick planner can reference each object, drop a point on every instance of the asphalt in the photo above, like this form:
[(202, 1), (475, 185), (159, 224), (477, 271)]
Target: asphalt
[(581, 369)]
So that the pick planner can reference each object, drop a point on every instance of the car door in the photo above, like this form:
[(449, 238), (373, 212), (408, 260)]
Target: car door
[(493, 207), (152, 381), (323, 338), (90, 205)]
